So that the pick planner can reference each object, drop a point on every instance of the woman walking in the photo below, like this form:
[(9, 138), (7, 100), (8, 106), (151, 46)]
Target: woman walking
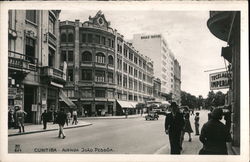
[(187, 126), (61, 120)]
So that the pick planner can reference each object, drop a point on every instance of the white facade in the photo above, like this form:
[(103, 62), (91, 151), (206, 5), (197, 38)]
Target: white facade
[(156, 48)]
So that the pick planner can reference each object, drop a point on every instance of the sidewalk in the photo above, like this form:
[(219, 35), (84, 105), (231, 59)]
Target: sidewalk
[(32, 128), (114, 117)]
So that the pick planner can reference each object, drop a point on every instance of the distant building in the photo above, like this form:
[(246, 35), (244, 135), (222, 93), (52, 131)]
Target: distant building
[(177, 82), (105, 73), (34, 76), (155, 47), (225, 25)]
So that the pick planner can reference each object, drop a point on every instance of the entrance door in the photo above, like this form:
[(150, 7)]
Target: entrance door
[(28, 101), (87, 110), (99, 109)]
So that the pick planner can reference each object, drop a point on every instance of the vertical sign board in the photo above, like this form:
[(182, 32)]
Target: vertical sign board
[(220, 80)]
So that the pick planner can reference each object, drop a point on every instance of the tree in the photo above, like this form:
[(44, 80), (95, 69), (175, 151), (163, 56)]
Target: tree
[(214, 99)]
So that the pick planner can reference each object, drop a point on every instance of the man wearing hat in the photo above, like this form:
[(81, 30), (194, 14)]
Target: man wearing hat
[(20, 115), (214, 135), (174, 124)]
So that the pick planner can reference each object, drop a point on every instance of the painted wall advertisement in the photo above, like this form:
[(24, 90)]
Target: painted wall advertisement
[(220, 80)]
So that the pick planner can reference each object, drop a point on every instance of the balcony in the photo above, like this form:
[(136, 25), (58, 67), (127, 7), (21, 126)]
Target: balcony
[(54, 74), (21, 62), (52, 39), (219, 23)]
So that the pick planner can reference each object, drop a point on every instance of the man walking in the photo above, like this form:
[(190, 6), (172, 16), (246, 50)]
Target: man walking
[(45, 119), (174, 124), (20, 115), (61, 120), (214, 135), (196, 123), (74, 113)]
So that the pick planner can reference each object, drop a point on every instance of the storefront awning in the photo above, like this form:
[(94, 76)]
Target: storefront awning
[(66, 99), (134, 104), (125, 104)]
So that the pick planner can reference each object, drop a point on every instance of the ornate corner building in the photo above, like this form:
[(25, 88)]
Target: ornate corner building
[(34, 74), (225, 25), (105, 73)]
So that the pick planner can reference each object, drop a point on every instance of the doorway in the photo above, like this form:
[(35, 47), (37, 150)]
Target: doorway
[(29, 98)]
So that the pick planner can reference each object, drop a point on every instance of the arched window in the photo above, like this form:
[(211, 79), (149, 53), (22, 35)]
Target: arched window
[(100, 58), (86, 56), (70, 37), (111, 60), (63, 37)]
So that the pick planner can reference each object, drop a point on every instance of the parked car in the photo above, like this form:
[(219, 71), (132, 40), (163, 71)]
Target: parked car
[(152, 116)]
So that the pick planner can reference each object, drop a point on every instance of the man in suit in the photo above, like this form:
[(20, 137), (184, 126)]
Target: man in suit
[(174, 124)]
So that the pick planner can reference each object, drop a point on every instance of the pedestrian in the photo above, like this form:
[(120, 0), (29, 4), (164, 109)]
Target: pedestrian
[(61, 120), (45, 118), (20, 115), (174, 123), (187, 126), (196, 123), (11, 118), (68, 118), (214, 135), (74, 113), (209, 114), (54, 116), (227, 118)]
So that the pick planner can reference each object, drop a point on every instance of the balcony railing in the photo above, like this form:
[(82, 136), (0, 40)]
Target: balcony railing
[(54, 73), (21, 61)]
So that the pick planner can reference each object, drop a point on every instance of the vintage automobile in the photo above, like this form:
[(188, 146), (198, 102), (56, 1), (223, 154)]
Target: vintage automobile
[(152, 116)]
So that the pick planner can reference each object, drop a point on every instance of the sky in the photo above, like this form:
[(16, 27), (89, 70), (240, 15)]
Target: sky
[(185, 32)]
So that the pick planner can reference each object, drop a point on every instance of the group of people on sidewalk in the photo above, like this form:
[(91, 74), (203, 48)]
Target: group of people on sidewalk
[(215, 136)]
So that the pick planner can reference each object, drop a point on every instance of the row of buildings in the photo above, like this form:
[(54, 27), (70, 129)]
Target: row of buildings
[(87, 65)]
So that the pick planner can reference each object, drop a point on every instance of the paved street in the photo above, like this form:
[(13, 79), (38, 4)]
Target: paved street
[(115, 136)]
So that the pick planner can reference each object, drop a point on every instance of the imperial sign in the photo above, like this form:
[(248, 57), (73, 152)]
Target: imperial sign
[(220, 80)]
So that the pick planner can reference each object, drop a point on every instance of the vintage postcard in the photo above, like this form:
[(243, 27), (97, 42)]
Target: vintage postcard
[(124, 81)]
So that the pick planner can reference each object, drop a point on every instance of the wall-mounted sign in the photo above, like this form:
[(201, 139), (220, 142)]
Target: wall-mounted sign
[(34, 107), (220, 80)]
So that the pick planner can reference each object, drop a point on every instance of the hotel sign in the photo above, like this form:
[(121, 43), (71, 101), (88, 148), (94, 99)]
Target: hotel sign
[(220, 80)]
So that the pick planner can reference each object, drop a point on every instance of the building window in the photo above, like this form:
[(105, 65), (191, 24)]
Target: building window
[(70, 56), (112, 44), (109, 42), (140, 86), (99, 76), (100, 58), (110, 77), (130, 97), (125, 68), (125, 81), (130, 70), (135, 60), (104, 41), (30, 49), (131, 56), (86, 74), (135, 72), (70, 75), (84, 37), (70, 37), (86, 93), (125, 53), (31, 15), (86, 56), (130, 83), (135, 98), (111, 60), (51, 58), (51, 25), (110, 94), (63, 37), (135, 85), (144, 88), (99, 93), (140, 75), (144, 65), (140, 62), (90, 38), (97, 39), (119, 79), (63, 56)]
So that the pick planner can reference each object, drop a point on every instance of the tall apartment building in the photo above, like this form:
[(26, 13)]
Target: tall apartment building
[(105, 73), (155, 47), (34, 76), (177, 82)]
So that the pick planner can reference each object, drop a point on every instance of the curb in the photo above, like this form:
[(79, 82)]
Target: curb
[(39, 131), (98, 118)]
